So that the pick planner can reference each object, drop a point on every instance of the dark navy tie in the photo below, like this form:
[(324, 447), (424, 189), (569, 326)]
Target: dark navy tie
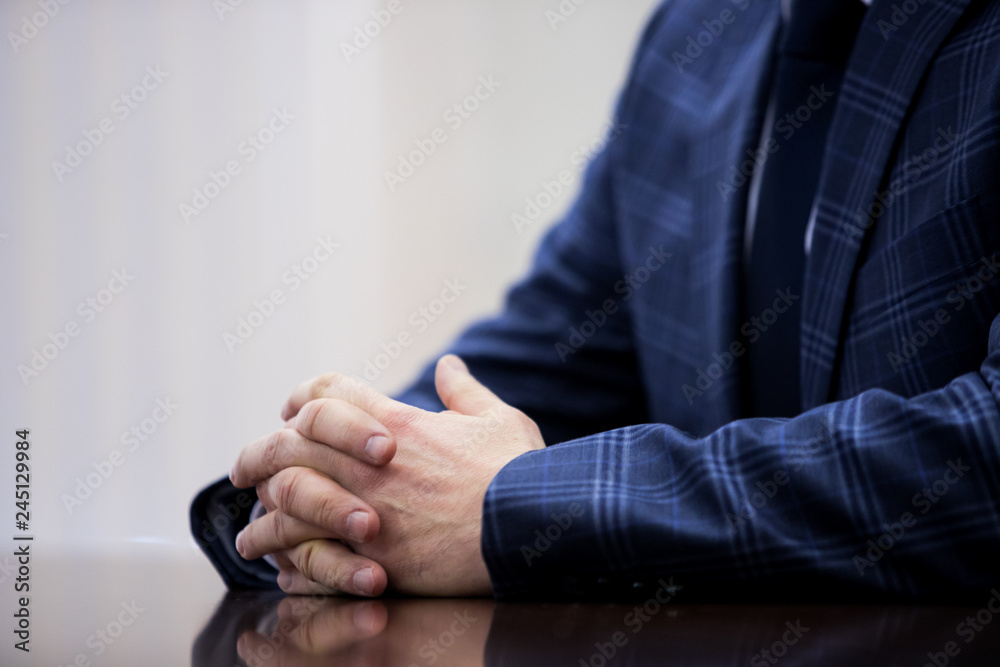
[(813, 48)]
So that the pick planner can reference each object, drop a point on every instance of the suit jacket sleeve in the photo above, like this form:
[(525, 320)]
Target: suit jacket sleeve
[(875, 496), (217, 514)]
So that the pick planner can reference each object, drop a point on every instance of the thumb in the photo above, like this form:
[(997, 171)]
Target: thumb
[(461, 392)]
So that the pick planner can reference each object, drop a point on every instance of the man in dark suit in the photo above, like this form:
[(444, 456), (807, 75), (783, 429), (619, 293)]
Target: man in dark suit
[(763, 347)]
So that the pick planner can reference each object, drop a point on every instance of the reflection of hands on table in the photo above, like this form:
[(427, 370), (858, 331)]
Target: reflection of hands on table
[(317, 630)]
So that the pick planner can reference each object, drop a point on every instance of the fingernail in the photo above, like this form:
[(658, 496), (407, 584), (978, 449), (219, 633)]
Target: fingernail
[(364, 617), (357, 526), (284, 579), (364, 582), (455, 362), (232, 474), (377, 447), (239, 542)]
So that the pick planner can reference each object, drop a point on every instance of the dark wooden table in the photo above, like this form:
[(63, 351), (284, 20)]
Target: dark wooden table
[(147, 609)]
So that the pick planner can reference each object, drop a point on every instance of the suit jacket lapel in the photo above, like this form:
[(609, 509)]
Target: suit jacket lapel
[(892, 51)]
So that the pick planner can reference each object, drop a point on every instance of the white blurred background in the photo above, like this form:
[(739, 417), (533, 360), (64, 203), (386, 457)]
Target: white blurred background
[(66, 229)]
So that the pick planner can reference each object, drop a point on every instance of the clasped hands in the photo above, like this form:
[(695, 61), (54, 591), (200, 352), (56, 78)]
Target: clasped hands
[(364, 493)]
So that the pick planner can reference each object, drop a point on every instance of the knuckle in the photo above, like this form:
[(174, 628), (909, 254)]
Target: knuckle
[(314, 567), (332, 573), (501, 414), (305, 559), (328, 513), (280, 530), (308, 415), (527, 423), (264, 494), (250, 533), (327, 420), (269, 454), (237, 476), (274, 450), (511, 418), (351, 390), (285, 484), (326, 384)]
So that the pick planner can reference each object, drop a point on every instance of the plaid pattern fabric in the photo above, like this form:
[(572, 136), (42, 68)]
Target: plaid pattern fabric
[(624, 341)]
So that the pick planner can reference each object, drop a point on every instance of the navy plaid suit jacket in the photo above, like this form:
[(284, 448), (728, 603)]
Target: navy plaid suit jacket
[(625, 340)]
